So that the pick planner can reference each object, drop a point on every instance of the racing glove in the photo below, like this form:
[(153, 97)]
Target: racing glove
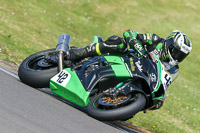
[(130, 37)]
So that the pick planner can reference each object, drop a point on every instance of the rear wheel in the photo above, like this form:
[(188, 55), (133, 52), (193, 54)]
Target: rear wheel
[(106, 108), (36, 71)]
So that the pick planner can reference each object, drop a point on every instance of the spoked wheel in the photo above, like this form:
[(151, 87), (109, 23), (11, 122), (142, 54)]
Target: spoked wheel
[(36, 70), (106, 108)]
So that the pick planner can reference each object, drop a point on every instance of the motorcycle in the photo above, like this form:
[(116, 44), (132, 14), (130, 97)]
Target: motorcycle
[(109, 87)]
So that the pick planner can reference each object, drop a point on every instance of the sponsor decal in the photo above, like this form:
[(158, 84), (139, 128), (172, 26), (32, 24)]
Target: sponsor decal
[(138, 46), (153, 58), (132, 65), (139, 66), (156, 52), (153, 77)]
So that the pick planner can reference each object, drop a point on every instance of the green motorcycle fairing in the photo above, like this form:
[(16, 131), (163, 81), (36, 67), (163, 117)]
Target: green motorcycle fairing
[(74, 86), (67, 85)]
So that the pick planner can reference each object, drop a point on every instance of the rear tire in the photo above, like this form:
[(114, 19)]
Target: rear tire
[(121, 113), (33, 75)]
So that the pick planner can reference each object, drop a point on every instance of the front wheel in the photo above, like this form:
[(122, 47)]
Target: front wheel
[(36, 71), (105, 108)]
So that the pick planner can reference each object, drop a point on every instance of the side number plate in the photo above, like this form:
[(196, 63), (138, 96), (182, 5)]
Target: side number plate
[(62, 78)]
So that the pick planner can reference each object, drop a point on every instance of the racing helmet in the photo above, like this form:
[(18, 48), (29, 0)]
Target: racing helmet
[(178, 46)]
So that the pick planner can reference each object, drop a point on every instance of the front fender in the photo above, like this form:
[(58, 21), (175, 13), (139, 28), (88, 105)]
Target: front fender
[(131, 88)]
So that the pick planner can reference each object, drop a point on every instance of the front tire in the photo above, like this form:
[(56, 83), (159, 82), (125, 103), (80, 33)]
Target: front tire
[(35, 76), (97, 111)]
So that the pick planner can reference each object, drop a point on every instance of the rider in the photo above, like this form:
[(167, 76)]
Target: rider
[(171, 51)]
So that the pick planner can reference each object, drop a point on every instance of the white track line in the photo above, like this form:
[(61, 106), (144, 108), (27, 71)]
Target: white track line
[(9, 72)]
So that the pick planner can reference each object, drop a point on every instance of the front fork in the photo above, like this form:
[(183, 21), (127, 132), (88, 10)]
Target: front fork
[(60, 55), (62, 49), (124, 89)]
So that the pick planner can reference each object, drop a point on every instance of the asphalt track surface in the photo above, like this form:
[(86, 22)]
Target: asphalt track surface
[(26, 110)]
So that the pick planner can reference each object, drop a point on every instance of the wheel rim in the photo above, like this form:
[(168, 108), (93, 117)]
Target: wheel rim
[(106, 102), (40, 63)]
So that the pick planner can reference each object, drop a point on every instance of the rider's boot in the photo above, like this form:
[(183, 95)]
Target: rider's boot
[(112, 45), (83, 52)]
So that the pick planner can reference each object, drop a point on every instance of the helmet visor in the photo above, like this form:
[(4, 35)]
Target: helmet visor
[(177, 54)]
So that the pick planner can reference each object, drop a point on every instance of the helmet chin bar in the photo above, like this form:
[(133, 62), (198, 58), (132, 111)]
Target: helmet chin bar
[(171, 60)]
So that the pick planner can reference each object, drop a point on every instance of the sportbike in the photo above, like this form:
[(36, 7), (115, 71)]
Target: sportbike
[(109, 87)]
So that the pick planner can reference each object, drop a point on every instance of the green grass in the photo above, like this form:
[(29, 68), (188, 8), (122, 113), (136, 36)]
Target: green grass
[(30, 26)]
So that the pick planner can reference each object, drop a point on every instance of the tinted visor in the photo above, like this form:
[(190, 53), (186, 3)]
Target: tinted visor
[(177, 54)]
